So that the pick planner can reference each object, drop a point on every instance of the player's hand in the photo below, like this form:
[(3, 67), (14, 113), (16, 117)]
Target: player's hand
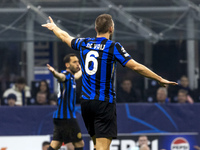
[(50, 25), (50, 68), (164, 82)]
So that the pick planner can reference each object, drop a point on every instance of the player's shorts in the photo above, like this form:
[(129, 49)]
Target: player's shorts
[(100, 118), (66, 130)]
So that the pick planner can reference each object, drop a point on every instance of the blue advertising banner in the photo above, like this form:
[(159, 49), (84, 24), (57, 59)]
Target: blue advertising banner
[(133, 119)]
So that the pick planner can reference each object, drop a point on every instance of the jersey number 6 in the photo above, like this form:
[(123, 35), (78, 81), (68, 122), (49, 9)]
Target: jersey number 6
[(90, 57)]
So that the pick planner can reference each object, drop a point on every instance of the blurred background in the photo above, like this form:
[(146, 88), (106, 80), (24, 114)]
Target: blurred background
[(162, 35)]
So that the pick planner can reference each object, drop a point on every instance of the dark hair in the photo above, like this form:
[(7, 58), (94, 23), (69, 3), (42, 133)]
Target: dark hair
[(183, 91), (45, 143), (103, 23), (38, 88), (12, 96), (67, 57), (21, 80)]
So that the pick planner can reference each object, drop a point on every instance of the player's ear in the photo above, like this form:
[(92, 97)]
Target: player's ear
[(110, 29), (67, 65)]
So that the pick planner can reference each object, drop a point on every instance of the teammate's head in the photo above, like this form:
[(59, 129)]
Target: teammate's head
[(104, 24), (72, 63)]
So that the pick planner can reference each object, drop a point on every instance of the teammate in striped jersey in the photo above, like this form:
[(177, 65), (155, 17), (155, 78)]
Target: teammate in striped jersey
[(66, 128), (98, 63)]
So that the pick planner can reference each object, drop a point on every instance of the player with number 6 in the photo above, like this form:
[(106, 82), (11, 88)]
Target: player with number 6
[(98, 57)]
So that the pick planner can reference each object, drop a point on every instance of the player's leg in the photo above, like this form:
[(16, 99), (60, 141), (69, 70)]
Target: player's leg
[(105, 125), (103, 143), (70, 146), (79, 145), (72, 134), (88, 118), (55, 145), (57, 135)]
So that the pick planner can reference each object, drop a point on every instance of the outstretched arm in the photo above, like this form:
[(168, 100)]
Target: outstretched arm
[(78, 74), (141, 69), (60, 76), (63, 35)]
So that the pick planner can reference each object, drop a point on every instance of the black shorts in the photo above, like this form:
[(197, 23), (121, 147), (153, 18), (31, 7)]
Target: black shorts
[(66, 130), (100, 118)]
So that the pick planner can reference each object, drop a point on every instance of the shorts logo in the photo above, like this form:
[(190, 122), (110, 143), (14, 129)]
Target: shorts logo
[(180, 144), (79, 135)]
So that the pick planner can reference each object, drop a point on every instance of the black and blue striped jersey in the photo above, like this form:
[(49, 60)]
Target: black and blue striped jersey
[(98, 58), (66, 98)]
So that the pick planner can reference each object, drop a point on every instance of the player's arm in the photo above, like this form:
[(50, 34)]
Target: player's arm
[(141, 69), (60, 76), (61, 34), (78, 74)]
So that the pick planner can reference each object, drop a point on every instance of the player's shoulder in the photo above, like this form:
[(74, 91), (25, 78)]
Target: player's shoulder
[(65, 72)]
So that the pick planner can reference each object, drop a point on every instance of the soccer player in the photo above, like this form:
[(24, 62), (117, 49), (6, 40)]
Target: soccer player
[(66, 128), (98, 63)]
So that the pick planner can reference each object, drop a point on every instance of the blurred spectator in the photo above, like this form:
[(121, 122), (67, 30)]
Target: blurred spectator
[(184, 84), (161, 95), (182, 96), (43, 87), (41, 99), (45, 145), (11, 99), (21, 91), (126, 93), (53, 99), (142, 143)]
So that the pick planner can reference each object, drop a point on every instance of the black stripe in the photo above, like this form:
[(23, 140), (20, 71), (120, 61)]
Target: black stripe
[(74, 97), (87, 92), (98, 73), (109, 71), (68, 100), (65, 101), (80, 45), (83, 93)]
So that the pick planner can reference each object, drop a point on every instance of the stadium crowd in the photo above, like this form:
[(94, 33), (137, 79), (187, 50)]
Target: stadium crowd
[(18, 93)]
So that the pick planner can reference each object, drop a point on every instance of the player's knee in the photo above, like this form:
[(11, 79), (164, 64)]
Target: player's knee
[(79, 144), (55, 146)]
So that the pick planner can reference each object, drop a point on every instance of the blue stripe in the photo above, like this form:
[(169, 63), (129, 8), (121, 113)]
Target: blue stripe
[(139, 120), (167, 115)]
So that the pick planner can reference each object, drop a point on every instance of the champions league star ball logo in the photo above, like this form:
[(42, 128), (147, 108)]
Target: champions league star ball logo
[(180, 144)]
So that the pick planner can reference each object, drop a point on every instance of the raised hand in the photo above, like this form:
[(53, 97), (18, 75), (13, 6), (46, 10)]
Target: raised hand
[(50, 68), (50, 25)]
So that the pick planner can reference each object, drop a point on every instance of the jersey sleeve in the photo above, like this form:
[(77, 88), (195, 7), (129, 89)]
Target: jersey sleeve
[(76, 43), (67, 75), (120, 54)]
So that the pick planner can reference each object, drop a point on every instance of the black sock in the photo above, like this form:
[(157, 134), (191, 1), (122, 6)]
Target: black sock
[(80, 148), (50, 148)]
